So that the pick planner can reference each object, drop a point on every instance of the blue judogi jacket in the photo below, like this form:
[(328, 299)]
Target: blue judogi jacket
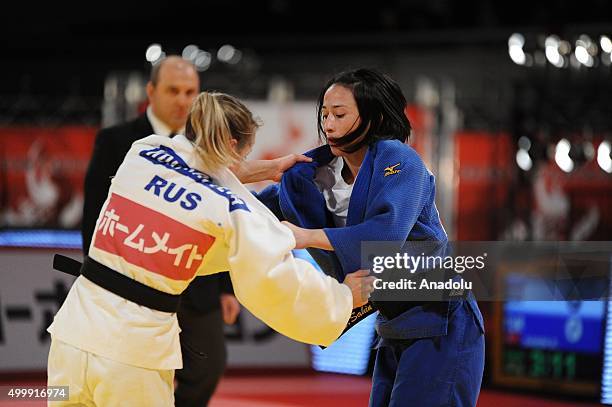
[(392, 200)]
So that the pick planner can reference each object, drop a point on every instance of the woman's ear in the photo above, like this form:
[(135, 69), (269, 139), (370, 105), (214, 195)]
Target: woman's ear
[(233, 143)]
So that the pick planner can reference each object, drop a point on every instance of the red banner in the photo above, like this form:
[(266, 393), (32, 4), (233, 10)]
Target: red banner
[(498, 201), (41, 175), (486, 169)]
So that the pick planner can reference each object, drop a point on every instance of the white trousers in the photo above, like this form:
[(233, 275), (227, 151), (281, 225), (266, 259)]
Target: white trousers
[(96, 381)]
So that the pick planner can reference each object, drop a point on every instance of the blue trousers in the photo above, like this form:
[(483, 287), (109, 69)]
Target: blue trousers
[(435, 371)]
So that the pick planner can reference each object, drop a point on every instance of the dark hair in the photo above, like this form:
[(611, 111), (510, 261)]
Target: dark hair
[(381, 105)]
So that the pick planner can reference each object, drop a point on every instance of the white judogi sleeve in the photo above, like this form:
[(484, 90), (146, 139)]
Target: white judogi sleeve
[(286, 293)]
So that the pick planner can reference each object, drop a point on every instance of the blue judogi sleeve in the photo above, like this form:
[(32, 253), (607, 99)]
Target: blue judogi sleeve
[(269, 197), (400, 187), (297, 199)]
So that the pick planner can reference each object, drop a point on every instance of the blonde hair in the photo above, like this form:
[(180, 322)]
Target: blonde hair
[(214, 120)]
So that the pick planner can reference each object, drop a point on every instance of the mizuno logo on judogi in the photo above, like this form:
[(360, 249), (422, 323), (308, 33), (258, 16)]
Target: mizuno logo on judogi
[(167, 157), (151, 240), (392, 170)]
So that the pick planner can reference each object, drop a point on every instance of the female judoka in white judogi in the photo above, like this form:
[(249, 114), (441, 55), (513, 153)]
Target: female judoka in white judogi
[(175, 211)]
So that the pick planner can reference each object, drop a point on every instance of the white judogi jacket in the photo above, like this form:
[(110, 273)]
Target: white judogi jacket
[(166, 222)]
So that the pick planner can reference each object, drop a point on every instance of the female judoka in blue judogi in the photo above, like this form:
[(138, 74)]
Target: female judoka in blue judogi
[(366, 184)]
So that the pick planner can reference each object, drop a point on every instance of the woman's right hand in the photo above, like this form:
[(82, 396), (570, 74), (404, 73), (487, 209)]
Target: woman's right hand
[(309, 237), (361, 285), (248, 171), (282, 164)]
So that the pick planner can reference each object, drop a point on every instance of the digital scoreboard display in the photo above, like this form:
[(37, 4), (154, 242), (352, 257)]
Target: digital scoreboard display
[(560, 340), (552, 346)]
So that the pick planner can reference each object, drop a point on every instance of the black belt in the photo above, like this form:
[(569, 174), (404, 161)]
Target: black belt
[(118, 283), (392, 309)]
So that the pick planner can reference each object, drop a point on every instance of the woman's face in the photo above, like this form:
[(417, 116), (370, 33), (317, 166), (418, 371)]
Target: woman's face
[(339, 115)]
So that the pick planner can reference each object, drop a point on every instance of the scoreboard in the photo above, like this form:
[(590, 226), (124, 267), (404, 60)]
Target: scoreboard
[(553, 346)]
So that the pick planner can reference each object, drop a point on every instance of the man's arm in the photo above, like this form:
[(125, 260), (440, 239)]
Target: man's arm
[(102, 167)]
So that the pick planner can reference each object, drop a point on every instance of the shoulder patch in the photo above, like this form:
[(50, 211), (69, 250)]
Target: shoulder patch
[(392, 170)]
